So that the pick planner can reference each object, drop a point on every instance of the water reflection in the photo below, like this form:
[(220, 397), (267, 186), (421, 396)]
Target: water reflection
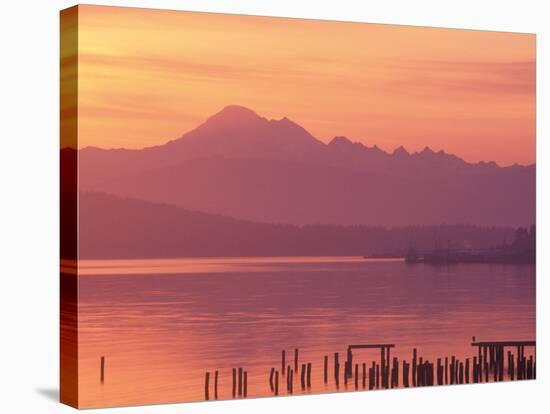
[(161, 324)]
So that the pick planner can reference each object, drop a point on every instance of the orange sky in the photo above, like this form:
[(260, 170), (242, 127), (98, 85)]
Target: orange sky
[(148, 76)]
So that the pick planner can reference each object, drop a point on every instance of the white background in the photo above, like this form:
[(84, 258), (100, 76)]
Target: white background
[(29, 205)]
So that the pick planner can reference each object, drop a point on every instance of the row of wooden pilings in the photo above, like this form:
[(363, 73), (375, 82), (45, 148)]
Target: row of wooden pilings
[(290, 372), (489, 365), (239, 387), (491, 357)]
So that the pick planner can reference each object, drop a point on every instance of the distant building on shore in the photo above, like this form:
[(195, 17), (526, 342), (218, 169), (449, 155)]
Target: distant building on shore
[(521, 250)]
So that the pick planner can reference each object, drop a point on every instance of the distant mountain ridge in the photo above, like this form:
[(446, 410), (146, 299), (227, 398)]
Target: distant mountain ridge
[(240, 164), (237, 131), (139, 229)]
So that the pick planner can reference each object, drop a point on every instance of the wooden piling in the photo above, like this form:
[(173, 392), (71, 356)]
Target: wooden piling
[(479, 360), (283, 363), (345, 371), (303, 377), (234, 382), (521, 366), (452, 369), (288, 382), (207, 386), (396, 367), (371, 377), (427, 373), (337, 375), (102, 370), (349, 364), (364, 375), (414, 368), (291, 381), (501, 364), (346, 365), (240, 386), (271, 374), (216, 385), (518, 362), (288, 368), (325, 369), (387, 367), (276, 382), (309, 374), (467, 370), (480, 371), (424, 366), (383, 365), (485, 361), (245, 383), (336, 369), (295, 359)]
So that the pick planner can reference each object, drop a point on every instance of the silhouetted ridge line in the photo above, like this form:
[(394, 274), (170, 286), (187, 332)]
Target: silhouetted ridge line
[(241, 116), (141, 229), (240, 164)]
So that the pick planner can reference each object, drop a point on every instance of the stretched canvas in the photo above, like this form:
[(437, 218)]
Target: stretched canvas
[(256, 206)]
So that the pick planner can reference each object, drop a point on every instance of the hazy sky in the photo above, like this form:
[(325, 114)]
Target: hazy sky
[(147, 76)]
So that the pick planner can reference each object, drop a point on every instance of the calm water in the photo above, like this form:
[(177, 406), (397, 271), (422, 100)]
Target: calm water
[(162, 323)]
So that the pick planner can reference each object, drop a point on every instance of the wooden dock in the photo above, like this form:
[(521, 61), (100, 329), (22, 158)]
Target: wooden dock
[(494, 361), (505, 343)]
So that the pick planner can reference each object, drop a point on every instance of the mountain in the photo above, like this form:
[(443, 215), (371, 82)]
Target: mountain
[(235, 131), (422, 164), (240, 164), (140, 229)]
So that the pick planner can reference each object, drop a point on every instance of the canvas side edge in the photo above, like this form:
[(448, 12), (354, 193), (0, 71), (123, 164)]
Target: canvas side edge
[(68, 381)]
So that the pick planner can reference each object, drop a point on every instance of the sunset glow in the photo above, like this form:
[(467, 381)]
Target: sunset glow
[(257, 206), (148, 76)]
